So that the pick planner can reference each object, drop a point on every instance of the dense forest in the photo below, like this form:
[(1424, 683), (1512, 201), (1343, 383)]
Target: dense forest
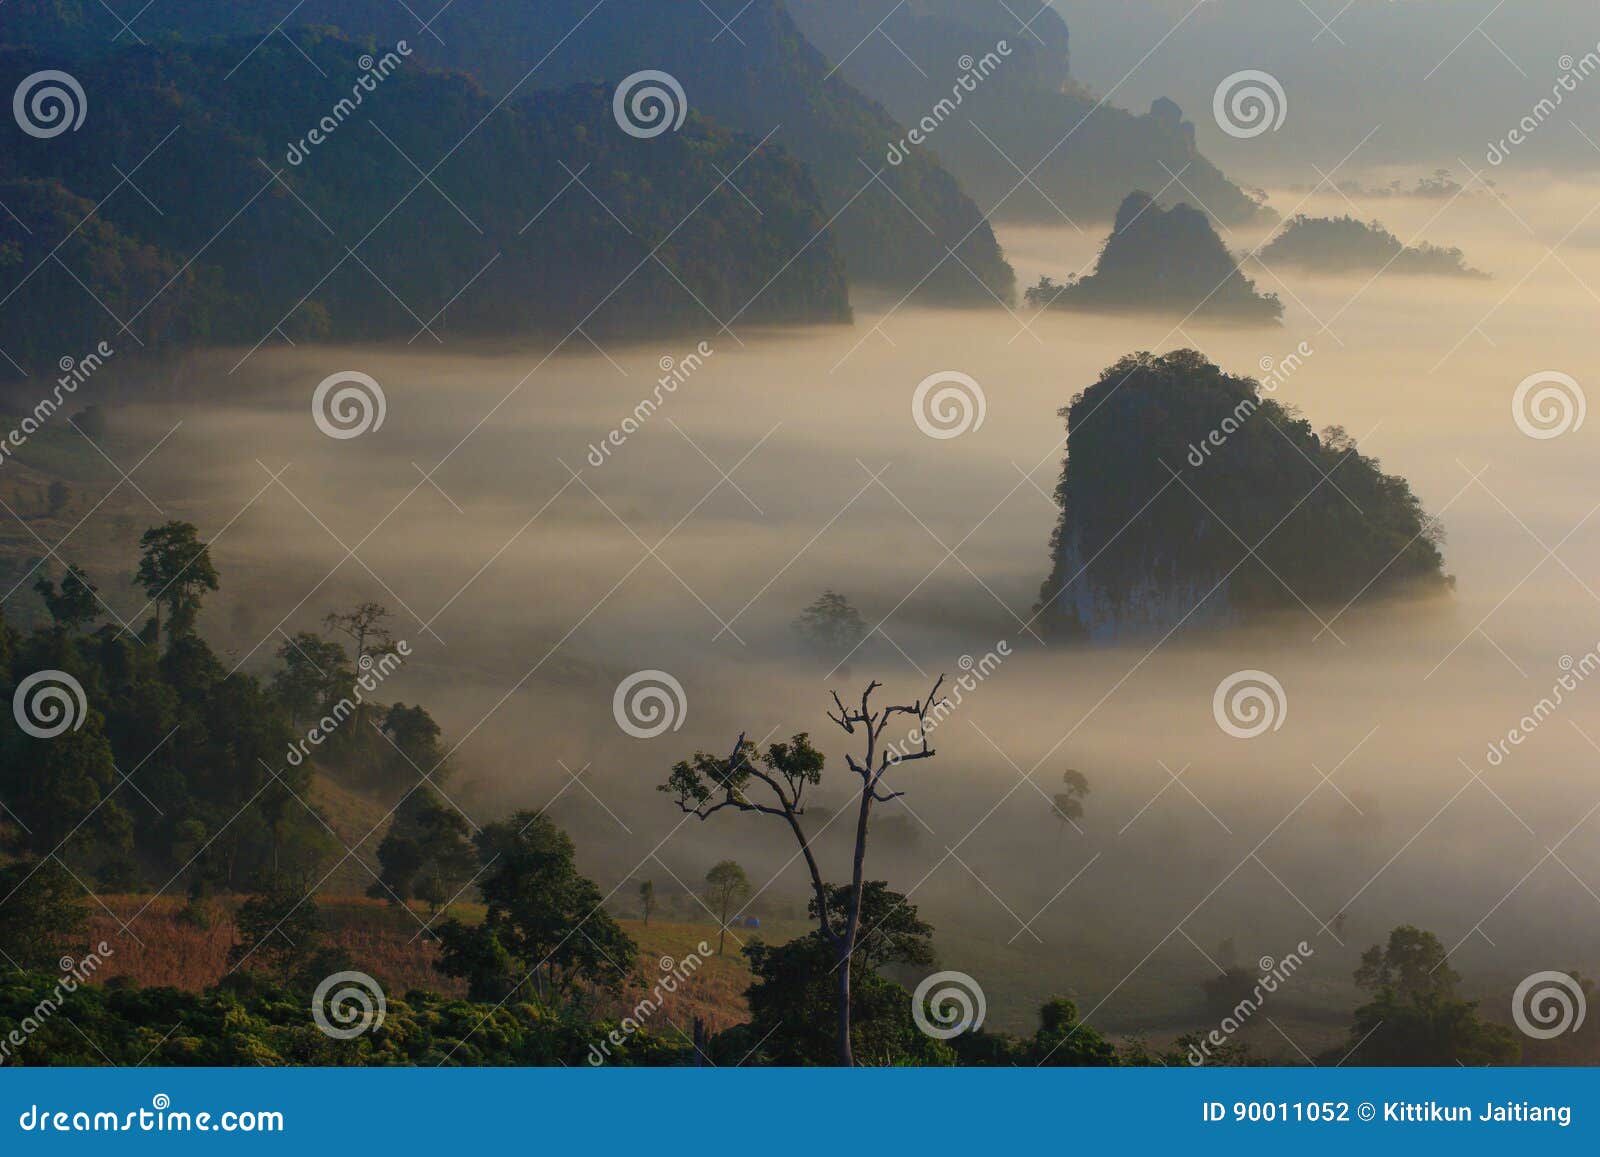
[(651, 236), (893, 226)]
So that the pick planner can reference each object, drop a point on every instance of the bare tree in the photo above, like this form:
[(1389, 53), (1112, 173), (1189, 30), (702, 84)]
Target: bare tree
[(707, 784), (364, 625)]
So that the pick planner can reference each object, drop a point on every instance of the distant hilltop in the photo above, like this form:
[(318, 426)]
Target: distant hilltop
[(1167, 261), (1189, 498)]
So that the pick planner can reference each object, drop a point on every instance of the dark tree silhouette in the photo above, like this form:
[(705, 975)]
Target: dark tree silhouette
[(707, 784)]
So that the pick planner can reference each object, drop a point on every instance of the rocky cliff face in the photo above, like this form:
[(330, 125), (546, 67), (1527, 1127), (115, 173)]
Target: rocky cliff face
[(1189, 498)]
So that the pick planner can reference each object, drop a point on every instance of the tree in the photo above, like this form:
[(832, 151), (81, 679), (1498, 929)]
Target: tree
[(1413, 963), (647, 899), (1063, 1041), (426, 854), (73, 605), (706, 784), (365, 626), (175, 572), (279, 930), (315, 672), (1067, 806), (831, 624), (545, 922), (727, 886), (794, 991), (41, 914), (1416, 1017)]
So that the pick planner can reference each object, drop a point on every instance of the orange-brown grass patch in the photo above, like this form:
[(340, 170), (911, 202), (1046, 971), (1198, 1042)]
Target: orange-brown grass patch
[(388, 942), (382, 939)]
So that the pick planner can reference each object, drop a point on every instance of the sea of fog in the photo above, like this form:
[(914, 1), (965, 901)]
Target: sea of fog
[(531, 575)]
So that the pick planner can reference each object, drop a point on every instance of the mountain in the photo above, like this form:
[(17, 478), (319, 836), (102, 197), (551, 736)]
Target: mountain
[(1346, 245), (742, 63), (1448, 81), (1266, 512), (539, 216), (1166, 261), (989, 85)]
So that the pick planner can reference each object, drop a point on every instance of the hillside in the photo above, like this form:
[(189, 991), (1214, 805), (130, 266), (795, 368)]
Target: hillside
[(1346, 245), (1022, 115), (1163, 261), (1135, 553), (346, 240), (763, 78)]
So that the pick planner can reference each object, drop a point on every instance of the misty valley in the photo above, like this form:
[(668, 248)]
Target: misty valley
[(793, 534)]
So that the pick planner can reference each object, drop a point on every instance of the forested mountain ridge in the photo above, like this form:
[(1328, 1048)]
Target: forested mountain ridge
[(744, 65), (542, 217)]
